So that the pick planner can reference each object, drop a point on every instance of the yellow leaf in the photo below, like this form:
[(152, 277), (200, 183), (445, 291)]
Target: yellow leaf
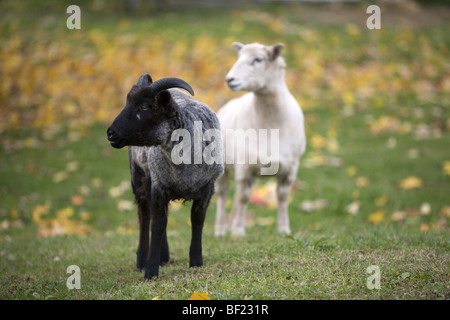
[(38, 211), (85, 216), (446, 168), (381, 201), (445, 211), (361, 181), (72, 166), (317, 141), (14, 213), (156, 298), (125, 205), (410, 182), (65, 212), (351, 171), (348, 98), (199, 296), (398, 215), (376, 217), (60, 176)]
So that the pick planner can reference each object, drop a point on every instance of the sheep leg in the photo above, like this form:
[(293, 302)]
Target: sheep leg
[(144, 225), (222, 186), (284, 187), (141, 184), (198, 214), (241, 199), (158, 229), (164, 256)]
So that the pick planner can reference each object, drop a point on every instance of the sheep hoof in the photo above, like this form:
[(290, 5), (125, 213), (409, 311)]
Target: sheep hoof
[(196, 263), (284, 230), (150, 277), (220, 233), (239, 232), (163, 263)]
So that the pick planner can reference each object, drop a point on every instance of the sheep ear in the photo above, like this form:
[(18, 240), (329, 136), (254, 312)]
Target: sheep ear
[(237, 46), (163, 100), (145, 79), (275, 51)]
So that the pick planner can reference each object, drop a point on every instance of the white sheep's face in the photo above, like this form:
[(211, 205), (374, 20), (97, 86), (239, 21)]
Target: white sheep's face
[(256, 66)]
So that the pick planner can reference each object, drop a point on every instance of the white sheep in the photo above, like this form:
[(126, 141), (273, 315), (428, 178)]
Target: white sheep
[(268, 108)]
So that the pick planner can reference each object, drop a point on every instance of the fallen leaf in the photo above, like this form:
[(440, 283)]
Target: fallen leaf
[(265, 195), (60, 176), (96, 182), (85, 216), (268, 221), (199, 296), (317, 141), (446, 168), (381, 201), (72, 166), (376, 217), (311, 205), (425, 209), (351, 171), (398, 215), (353, 208), (410, 182), (39, 211), (361, 181), (125, 205), (77, 200), (445, 211), (441, 224)]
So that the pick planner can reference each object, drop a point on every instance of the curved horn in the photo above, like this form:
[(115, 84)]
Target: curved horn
[(145, 79), (167, 83)]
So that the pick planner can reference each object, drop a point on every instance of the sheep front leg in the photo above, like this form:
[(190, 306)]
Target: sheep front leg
[(158, 233), (284, 187), (222, 185), (198, 214), (144, 226)]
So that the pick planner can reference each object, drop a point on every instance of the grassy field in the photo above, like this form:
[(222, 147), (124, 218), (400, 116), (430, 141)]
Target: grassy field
[(373, 187)]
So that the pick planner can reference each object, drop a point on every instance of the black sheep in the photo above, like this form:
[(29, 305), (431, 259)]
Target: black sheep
[(153, 112)]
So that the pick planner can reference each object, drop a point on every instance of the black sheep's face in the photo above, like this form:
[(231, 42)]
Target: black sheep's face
[(142, 120), (149, 108)]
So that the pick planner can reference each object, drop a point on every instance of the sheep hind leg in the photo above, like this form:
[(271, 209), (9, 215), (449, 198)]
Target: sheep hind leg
[(198, 214), (164, 256), (241, 199), (222, 187)]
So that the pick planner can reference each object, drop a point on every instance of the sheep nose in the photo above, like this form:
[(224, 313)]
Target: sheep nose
[(229, 80), (111, 134)]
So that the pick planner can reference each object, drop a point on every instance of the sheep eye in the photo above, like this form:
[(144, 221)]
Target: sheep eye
[(144, 107), (256, 60)]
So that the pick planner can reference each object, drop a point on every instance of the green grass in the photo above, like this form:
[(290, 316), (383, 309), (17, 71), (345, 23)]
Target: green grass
[(326, 256)]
